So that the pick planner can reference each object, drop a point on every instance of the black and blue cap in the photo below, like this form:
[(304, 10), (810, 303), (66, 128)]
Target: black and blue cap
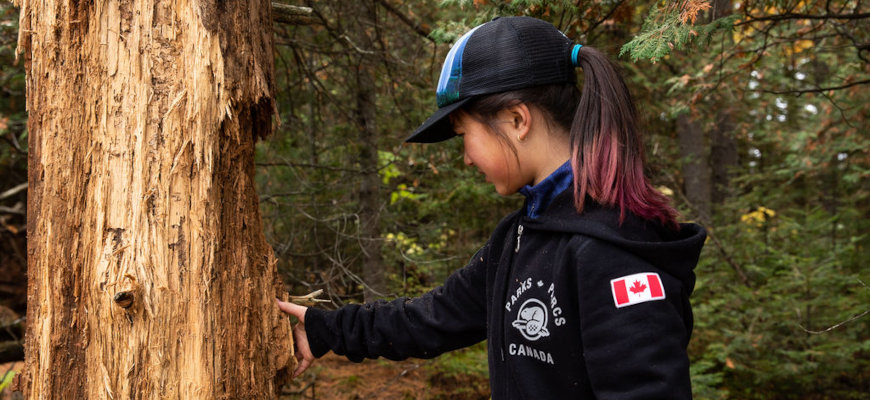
[(507, 53)]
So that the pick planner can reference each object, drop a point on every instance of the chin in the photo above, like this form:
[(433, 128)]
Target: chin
[(505, 191)]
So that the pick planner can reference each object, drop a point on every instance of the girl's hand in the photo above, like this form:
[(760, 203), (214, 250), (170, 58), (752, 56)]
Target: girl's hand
[(300, 338)]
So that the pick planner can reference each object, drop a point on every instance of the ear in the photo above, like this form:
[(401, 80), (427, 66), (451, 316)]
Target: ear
[(520, 117)]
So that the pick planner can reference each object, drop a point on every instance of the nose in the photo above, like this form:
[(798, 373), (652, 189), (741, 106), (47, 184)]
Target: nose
[(466, 158)]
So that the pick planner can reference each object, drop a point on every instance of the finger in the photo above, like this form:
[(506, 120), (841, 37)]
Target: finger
[(303, 365), (303, 351), (293, 309)]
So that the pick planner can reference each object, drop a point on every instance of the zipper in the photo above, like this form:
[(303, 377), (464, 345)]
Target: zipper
[(501, 292)]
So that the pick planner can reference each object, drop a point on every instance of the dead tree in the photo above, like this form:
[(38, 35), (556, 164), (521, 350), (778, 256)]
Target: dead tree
[(149, 276)]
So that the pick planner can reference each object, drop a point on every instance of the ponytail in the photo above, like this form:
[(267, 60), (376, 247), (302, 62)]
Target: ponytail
[(606, 147), (607, 150)]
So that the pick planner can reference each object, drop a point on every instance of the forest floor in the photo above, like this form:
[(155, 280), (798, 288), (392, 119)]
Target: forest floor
[(454, 377), (335, 378)]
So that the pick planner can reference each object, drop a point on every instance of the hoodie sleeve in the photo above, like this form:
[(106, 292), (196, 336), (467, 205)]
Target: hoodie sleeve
[(636, 351), (449, 317)]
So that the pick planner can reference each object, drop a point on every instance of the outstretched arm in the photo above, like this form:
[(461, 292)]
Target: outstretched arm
[(447, 318)]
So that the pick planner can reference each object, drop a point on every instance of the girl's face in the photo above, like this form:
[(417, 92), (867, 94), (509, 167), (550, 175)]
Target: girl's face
[(490, 154)]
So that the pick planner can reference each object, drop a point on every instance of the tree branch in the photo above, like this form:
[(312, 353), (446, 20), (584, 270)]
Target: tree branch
[(12, 210), (606, 17), (404, 18), (816, 90), (13, 191), (292, 15), (304, 165), (835, 326), (793, 16)]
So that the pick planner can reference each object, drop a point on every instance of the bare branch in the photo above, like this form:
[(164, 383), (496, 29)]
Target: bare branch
[(305, 165), (835, 326), (12, 210), (854, 317), (794, 16), (404, 18), (13, 191), (816, 90), (292, 15)]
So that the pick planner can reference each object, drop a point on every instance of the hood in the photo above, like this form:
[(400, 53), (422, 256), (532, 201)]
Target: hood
[(675, 252)]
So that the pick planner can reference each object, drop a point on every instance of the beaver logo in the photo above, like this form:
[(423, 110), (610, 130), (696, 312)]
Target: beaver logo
[(532, 320)]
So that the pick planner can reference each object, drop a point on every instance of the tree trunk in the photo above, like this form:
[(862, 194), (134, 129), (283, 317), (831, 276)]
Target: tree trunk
[(369, 196), (696, 166), (149, 276), (723, 152)]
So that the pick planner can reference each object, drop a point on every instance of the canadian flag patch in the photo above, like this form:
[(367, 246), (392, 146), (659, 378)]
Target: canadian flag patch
[(637, 288)]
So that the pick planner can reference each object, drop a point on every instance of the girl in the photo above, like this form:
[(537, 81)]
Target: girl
[(583, 293)]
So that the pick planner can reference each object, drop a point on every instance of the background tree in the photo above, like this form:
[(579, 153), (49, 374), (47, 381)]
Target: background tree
[(792, 77)]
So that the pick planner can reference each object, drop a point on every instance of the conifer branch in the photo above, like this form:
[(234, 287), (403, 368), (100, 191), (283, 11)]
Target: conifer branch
[(794, 16)]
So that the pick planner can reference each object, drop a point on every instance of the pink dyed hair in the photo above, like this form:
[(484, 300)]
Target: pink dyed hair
[(607, 147), (607, 150)]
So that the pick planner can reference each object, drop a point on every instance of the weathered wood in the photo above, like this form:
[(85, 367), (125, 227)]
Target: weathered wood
[(293, 15), (149, 276)]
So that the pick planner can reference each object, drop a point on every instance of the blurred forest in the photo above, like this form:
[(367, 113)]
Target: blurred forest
[(756, 121)]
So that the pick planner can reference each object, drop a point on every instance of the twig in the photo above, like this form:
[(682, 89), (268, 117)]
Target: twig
[(854, 317), (11, 210), (837, 325), (301, 391), (13, 191), (790, 16), (309, 299), (799, 92), (292, 15)]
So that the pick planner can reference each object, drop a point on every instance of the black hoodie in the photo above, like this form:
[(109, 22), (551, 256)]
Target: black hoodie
[(573, 305)]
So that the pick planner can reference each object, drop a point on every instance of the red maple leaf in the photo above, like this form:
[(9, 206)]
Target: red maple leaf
[(637, 288)]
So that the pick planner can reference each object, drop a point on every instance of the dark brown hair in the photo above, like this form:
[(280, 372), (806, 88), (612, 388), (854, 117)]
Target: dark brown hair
[(606, 143)]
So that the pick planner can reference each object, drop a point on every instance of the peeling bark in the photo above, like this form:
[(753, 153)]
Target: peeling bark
[(149, 276)]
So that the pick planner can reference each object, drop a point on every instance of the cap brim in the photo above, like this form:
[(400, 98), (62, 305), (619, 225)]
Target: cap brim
[(437, 127)]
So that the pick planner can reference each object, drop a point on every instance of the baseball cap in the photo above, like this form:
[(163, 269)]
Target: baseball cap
[(507, 53)]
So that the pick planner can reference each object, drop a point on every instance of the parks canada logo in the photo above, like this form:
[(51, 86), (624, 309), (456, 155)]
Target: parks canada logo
[(532, 320)]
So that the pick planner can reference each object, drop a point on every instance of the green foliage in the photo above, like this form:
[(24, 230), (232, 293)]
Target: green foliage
[(665, 31), (464, 371), (6, 380), (792, 218)]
